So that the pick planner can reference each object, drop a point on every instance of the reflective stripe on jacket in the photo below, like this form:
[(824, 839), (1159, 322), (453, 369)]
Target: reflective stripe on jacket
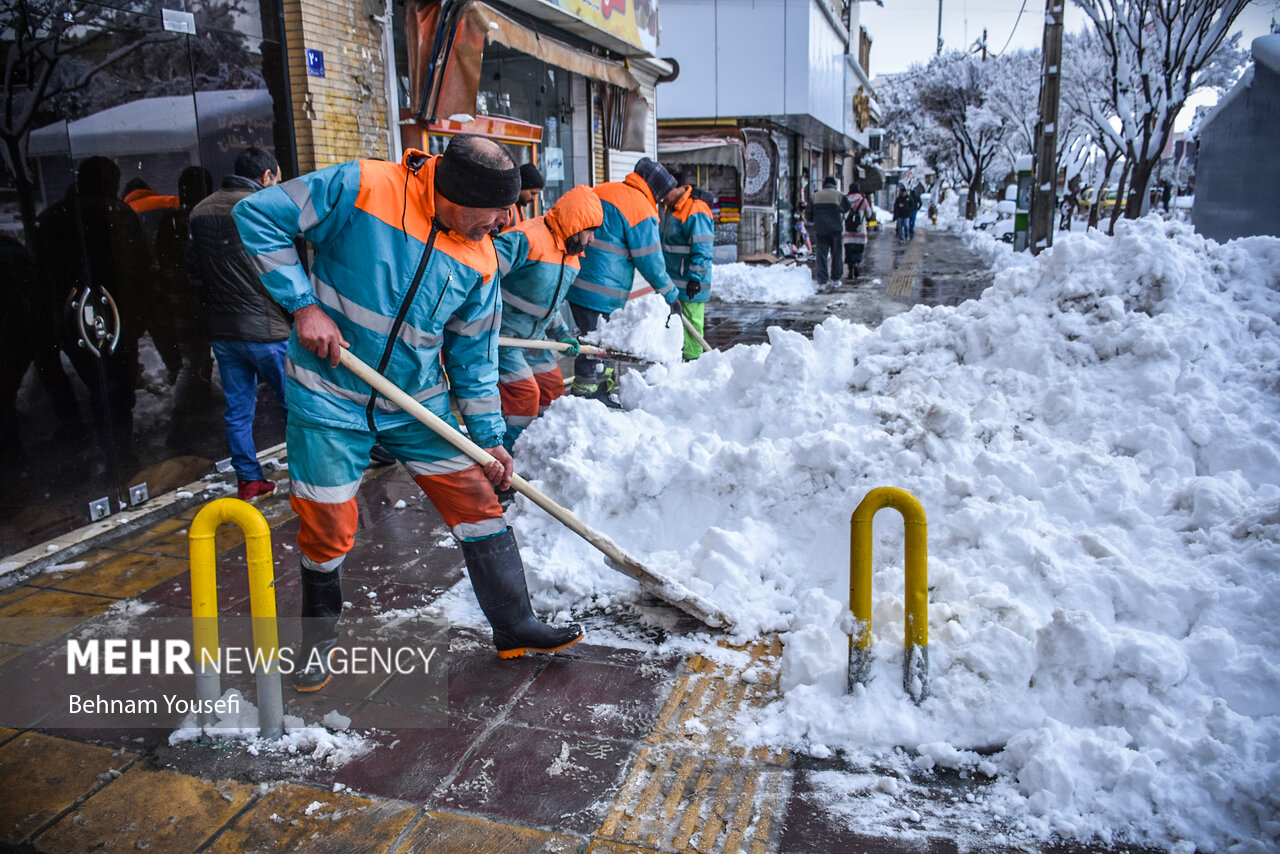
[(402, 289), (627, 241), (688, 234), (536, 271)]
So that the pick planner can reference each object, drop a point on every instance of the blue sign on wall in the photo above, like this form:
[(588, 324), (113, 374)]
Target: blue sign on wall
[(315, 63)]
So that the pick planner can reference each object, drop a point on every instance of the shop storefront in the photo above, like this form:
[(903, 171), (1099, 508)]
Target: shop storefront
[(108, 392), (107, 389)]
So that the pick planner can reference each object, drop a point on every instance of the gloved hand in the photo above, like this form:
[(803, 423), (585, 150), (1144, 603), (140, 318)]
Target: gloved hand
[(574, 346), (675, 307), (693, 289)]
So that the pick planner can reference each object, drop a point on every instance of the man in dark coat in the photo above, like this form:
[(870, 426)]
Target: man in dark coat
[(826, 212), (248, 329)]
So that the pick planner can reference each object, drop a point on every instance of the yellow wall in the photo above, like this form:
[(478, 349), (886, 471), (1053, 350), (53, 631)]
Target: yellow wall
[(343, 115)]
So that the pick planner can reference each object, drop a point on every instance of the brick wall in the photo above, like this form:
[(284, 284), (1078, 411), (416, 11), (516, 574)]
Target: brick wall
[(343, 115)]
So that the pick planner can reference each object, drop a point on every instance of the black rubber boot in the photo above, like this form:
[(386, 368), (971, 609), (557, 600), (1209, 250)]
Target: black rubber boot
[(321, 607), (497, 577)]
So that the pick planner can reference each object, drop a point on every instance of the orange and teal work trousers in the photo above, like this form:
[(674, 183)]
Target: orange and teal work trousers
[(325, 468), (528, 380)]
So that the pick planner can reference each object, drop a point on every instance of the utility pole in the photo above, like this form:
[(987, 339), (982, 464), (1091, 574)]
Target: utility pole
[(939, 51), (1043, 196), (984, 44)]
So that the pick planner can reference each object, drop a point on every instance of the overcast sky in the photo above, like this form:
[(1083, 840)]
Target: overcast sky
[(906, 31)]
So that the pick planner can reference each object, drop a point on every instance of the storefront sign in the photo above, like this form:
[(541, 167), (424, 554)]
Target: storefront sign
[(633, 21)]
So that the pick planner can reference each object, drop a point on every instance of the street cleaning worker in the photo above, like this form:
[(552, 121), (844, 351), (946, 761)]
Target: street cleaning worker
[(688, 233), (531, 183), (627, 241), (537, 264), (404, 275)]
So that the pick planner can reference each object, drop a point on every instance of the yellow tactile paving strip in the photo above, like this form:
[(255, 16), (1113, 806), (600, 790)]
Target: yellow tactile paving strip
[(690, 789), (908, 271)]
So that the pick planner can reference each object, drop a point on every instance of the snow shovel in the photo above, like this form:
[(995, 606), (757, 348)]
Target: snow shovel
[(530, 344), (665, 588), (584, 349), (693, 330)]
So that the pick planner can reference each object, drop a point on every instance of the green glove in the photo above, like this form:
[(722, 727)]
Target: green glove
[(573, 345)]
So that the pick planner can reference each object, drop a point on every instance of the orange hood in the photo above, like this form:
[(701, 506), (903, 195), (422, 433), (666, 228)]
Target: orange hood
[(577, 210)]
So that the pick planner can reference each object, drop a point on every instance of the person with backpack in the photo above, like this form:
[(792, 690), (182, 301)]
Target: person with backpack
[(854, 237)]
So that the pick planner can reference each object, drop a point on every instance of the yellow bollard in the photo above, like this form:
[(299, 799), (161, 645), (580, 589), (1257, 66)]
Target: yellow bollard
[(262, 608), (915, 676)]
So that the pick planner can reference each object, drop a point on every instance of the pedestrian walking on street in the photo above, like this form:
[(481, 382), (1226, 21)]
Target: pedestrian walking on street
[(538, 263), (902, 213), (688, 234), (827, 215), (916, 204), (854, 237), (627, 241), (404, 275), (248, 330)]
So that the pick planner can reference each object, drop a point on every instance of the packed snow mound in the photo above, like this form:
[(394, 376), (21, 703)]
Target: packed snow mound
[(778, 283), (1096, 442), (643, 328)]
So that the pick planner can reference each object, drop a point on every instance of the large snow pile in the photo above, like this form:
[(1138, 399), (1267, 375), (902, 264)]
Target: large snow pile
[(778, 284), (643, 328), (1096, 442)]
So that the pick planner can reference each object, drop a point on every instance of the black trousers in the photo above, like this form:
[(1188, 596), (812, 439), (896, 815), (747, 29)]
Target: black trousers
[(828, 264)]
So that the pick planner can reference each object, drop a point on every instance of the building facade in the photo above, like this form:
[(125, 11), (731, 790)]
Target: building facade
[(107, 389), (784, 85)]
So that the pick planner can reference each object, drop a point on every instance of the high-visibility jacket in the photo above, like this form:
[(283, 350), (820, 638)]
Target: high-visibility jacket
[(516, 217), (626, 241), (402, 288), (688, 233), (535, 269)]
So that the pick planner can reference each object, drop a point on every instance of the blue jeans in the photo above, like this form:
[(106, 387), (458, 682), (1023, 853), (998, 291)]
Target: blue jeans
[(902, 228), (241, 364), (911, 226)]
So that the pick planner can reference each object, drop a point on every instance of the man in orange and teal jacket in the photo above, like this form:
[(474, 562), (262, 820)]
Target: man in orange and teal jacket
[(688, 233), (627, 241), (537, 263), (404, 275)]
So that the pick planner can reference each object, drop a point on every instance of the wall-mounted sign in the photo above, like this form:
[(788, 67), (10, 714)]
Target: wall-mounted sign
[(553, 165), (315, 63), (633, 21)]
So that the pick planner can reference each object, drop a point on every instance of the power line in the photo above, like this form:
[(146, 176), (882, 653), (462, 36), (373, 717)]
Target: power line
[(1015, 27)]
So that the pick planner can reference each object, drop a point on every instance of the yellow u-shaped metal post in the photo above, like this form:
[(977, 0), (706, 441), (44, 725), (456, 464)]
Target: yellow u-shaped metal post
[(262, 608), (915, 677)]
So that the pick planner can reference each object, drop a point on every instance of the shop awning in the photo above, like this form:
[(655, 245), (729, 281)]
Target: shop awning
[(873, 180), (709, 152), (503, 30)]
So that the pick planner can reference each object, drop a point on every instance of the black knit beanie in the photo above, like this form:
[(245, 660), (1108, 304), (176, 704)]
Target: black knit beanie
[(530, 177), (656, 176), (472, 184)]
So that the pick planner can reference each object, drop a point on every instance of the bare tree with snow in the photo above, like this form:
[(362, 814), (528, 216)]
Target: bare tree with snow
[(1158, 52), (951, 93)]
